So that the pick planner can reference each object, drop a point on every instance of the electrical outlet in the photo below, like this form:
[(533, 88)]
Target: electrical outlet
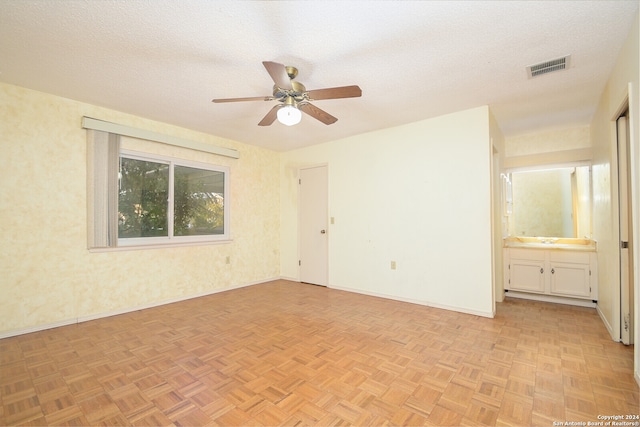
[(393, 265)]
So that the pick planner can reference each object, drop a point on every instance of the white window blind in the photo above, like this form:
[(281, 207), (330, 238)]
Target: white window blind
[(103, 156)]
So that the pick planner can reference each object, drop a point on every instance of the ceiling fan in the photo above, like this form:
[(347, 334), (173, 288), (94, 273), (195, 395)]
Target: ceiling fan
[(293, 97)]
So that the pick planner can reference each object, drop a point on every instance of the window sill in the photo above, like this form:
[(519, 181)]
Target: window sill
[(159, 246)]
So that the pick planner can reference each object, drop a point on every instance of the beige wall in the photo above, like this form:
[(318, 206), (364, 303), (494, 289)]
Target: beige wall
[(548, 141), (418, 194), (605, 221), (47, 275)]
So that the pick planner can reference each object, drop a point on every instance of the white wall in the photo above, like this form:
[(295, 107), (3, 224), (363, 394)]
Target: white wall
[(418, 194)]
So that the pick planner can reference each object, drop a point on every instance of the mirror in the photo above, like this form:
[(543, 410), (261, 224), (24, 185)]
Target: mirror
[(554, 202)]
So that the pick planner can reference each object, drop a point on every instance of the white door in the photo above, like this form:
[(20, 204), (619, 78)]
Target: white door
[(313, 226), (626, 248)]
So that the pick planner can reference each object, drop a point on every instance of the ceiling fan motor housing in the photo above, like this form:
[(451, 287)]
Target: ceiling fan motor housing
[(296, 93)]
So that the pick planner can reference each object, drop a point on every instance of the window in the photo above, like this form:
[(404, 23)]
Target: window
[(166, 200), (135, 198)]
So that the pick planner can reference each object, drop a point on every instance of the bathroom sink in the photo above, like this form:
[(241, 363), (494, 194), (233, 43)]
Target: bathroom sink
[(550, 243)]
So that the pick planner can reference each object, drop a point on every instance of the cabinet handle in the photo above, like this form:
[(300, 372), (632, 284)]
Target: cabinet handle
[(553, 271), (541, 270)]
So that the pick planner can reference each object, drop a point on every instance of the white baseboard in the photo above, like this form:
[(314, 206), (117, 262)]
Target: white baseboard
[(550, 298), (488, 314), (37, 328), (87, 318), (607, 324)]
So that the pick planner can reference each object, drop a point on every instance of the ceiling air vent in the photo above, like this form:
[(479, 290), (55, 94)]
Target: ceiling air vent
[(549, 66)]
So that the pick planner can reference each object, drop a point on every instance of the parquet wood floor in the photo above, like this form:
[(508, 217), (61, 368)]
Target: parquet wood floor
[(285, 353)]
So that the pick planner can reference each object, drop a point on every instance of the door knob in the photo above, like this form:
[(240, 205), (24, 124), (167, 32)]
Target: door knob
[(323, 231)]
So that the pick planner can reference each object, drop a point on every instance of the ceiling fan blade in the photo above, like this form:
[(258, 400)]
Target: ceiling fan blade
[(251, 98), (270, 117), (278, 73), (335, 92), (317, 113)]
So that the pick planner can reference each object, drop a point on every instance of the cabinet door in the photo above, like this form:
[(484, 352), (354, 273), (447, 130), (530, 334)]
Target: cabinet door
[(570, 279), (526, 275)]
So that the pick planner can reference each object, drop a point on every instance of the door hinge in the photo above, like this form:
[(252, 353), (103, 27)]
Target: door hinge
[(509, 266), (589, 272), (299, 262), (299, 181), (624, 245)]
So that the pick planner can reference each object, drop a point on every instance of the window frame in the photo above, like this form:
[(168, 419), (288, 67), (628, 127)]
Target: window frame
[(171, 239)]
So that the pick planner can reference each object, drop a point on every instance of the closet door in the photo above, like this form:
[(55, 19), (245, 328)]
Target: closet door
[(314, 241)]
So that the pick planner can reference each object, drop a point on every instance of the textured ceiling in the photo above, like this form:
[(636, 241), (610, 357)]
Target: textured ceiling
[(166, 59)]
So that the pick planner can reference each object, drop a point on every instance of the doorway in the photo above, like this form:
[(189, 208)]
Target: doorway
[(314, 241), (626, 229)]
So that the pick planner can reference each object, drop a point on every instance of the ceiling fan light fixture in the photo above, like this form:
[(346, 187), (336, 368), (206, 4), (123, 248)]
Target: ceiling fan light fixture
[(289, 115)]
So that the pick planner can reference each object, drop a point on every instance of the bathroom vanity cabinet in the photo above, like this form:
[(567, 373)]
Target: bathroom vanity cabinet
[(553, 273)]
